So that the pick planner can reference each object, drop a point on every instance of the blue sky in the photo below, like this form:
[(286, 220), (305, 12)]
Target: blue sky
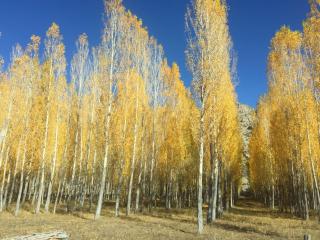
[(252, 25)]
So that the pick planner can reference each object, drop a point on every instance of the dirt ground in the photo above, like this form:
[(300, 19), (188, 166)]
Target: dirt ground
[(249, 220)]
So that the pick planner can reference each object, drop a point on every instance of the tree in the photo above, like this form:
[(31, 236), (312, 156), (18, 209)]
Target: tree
[(209, 63), (111, 47), (54, 67)]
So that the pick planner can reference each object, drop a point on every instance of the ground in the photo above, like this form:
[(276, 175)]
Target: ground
[(249, 220)]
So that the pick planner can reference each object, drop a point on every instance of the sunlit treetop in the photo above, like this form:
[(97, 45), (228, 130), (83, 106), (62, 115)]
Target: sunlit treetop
[(53, 31), (314, 5), (287, 39)]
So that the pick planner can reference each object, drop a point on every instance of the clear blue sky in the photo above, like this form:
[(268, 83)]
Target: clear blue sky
[(252, 25)]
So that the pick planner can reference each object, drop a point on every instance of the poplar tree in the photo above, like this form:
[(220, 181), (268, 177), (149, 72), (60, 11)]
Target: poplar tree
[(208, 58)]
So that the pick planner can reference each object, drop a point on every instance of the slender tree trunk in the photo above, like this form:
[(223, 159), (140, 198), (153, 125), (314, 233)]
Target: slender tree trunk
[(3, 180), (151, 186), (26, 187), (200, 173), (143, 185), (215, 190), (27, 118), (57, 197), (140, 170), (35, 185), (138, 188), (92, 178), (15, 172), (87, 184), (105, 161), (211, 184), (170, 188), (122, 162), (31, 189), (219, 202), (43, 160), (74, 166), (54, 160), (226, 192), (231, 195), (133, 160), (8, 118), (305, 196), (21, 179), (107, 126), (6, 190)]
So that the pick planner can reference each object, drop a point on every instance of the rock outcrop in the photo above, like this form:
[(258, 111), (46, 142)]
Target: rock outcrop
[(246, 119)]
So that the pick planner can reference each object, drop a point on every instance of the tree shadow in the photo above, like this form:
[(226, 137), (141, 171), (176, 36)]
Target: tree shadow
[(255, 209), (243, 229), (174, 227)]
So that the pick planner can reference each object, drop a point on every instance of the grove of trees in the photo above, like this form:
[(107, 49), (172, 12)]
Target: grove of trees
[(285, 145), (119, 125)]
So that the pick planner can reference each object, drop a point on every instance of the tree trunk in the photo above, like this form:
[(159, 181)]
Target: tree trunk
[(170, 189), (92, 178), (211, 184), (139, 184), (43, 159), (105, 161), (26, 187), (134, 152), (8, 118), (215, 190), (231, 195), (151, 193), (14, 173), (57, 197), (200, 173), (21, 179), (122, 163), (3, 181), (54, 160), (6, 189)]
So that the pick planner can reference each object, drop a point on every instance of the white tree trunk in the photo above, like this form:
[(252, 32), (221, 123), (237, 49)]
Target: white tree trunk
[(133, 160), (3, 181), (201, 156), (105, 162), (140, 170), (54, 160), (21, 179), (43, 160)]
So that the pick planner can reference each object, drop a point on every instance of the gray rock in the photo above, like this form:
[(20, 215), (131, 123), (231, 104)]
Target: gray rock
[(246, 119)]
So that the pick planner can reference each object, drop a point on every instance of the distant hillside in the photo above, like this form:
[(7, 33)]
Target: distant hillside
[(246, 118)]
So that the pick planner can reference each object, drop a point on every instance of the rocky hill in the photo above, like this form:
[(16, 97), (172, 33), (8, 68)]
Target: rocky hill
[(246, 118)]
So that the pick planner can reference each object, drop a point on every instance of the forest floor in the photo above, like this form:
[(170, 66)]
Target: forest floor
[(248, 220)]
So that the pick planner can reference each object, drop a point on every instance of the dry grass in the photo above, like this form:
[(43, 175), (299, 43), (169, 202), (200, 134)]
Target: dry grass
[(247, 221)]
